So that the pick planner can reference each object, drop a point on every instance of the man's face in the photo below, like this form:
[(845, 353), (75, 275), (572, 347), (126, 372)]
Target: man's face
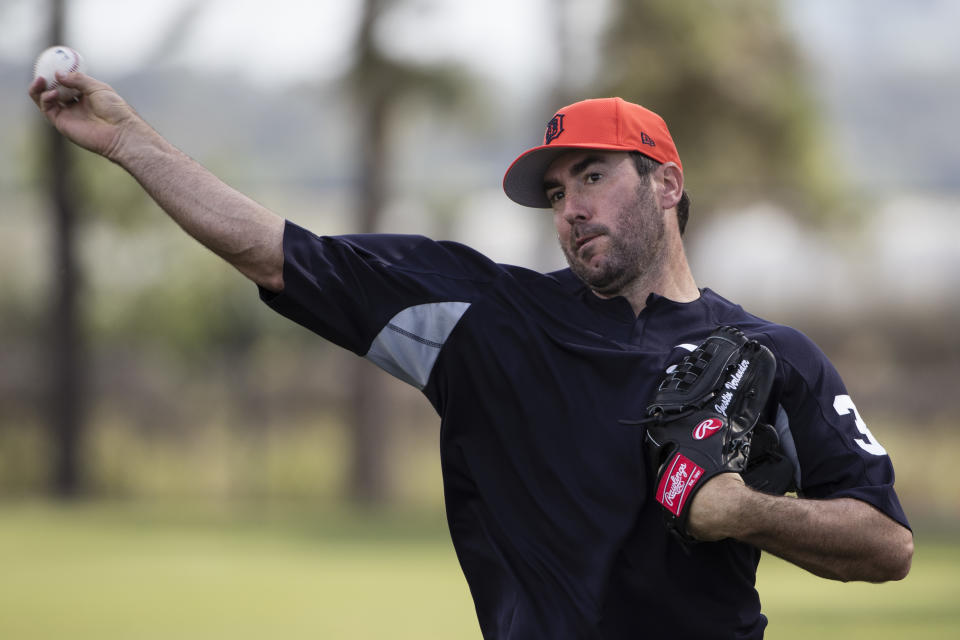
[(609, 223)]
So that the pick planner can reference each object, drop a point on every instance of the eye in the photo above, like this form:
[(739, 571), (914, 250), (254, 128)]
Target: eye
[(593, 177), (555, 196)]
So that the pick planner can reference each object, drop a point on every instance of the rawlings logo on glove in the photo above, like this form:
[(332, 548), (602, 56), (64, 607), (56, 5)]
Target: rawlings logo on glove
[(707, 428), (677, 483)]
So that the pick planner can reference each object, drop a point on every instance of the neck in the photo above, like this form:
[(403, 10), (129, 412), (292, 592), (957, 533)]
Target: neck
[(673, 280)]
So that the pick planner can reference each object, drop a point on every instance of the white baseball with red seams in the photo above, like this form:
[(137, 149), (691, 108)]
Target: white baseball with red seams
[(63, 59)]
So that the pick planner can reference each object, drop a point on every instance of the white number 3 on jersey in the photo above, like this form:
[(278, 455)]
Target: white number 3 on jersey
[(843, 406)]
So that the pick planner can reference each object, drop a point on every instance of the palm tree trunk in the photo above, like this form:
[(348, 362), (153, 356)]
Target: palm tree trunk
[(65, 404), (367, 414)]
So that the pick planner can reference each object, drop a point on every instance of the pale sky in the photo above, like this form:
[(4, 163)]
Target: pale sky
[(282, 41), (507, 41)]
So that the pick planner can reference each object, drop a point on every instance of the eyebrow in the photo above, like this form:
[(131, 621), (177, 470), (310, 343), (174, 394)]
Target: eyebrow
[(575, 170)]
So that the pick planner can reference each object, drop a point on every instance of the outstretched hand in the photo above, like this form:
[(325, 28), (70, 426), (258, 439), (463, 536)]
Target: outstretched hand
[(96, 121)]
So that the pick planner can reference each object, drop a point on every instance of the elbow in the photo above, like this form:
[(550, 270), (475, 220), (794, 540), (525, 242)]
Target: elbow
[(900, 567), (265, 273), (270, 282), (898, 558), (261, 262)]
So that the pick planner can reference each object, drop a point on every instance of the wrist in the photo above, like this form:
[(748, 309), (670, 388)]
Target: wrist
[(720, 508), (134, 142)]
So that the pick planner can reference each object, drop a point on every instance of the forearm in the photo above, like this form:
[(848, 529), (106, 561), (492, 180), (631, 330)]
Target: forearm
[(247, 235), (244, 233), (841, 539)]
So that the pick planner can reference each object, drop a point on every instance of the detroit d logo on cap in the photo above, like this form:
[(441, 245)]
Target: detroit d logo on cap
[(554, 129)]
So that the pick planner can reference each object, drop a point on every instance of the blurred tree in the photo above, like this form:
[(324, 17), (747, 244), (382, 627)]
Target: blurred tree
[(66, 391), (728, 79), (378, 84), (68, 387)]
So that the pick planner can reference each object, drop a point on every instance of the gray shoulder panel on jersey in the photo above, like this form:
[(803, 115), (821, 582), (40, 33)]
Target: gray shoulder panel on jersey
[(782, 425), (408, 346)]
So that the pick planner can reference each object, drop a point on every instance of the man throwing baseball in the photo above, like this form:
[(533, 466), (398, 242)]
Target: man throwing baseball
[(615, 440)]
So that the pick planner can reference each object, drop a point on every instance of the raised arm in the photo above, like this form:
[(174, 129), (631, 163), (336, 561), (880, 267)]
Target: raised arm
[(841, 539), (244, 233)]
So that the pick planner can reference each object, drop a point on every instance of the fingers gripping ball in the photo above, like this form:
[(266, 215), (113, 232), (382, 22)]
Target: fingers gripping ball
[(62, 59), (702, 418)]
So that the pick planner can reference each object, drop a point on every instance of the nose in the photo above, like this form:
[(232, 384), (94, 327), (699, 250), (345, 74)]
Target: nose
[(575, 208)]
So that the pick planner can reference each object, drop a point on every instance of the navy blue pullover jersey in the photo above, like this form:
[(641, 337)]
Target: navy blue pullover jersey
[(548, 498)]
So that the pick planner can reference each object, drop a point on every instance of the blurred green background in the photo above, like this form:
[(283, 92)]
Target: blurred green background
[(177, 461)]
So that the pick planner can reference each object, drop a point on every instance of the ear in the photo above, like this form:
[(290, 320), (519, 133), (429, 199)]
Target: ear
[(670, 182)]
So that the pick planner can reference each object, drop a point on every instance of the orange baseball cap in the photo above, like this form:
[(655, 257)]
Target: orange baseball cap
[(600, 123)]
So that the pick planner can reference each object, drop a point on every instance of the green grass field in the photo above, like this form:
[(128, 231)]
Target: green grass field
[(143, 572)]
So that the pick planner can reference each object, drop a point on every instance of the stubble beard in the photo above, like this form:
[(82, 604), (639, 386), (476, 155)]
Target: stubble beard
[(633, 253)]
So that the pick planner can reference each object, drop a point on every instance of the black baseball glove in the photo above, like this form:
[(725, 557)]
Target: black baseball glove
[(703, 416), (769, 469)]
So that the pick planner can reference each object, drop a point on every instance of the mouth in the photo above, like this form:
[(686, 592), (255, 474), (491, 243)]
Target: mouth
[(584, 240)]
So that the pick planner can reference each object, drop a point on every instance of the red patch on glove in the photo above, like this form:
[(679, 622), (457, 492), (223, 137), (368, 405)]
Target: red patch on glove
[(677, 483)]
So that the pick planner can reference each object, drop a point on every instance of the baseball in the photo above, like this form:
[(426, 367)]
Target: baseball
[(59, 58)]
